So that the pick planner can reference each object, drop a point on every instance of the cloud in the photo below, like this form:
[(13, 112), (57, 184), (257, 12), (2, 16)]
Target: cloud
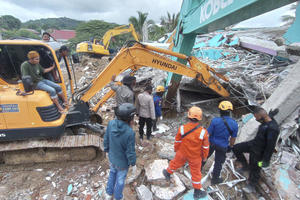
[(117, 11)]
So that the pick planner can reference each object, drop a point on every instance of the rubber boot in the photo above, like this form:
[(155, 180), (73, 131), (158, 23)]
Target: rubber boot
[(167, 175), (199, 194), (215, 181)]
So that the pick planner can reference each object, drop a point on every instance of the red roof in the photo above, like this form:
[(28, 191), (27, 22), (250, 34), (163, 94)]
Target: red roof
[(63, 34)]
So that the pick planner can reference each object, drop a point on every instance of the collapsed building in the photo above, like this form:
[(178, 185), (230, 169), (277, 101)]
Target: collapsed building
[(260, 72)]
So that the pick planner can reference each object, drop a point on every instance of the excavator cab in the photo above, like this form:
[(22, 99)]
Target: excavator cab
[(18, 100)]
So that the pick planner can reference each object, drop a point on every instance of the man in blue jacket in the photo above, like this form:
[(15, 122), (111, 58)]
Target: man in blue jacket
[(119, 142), (157, 99), (220, 130)]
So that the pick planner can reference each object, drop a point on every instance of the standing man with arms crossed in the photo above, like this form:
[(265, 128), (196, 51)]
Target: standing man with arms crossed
[(192, 146), (146, 111), (220, 130), (119, 143)]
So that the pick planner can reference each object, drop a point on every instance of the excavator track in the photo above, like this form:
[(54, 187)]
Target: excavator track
[(67, 148)]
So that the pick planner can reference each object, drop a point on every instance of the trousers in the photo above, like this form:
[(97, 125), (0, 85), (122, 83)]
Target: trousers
[(245, 147), (116, 182), (50, 87), (220, 157), (194, 164), (142, 122)]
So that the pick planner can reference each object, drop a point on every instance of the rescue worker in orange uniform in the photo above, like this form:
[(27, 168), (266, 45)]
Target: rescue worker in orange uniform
[(192, 146)]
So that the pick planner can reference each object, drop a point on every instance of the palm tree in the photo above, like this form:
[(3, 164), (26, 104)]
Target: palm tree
[(169, 22), (139, 22)]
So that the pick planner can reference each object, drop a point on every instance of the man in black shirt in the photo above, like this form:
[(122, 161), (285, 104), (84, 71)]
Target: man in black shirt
[(261, 147)]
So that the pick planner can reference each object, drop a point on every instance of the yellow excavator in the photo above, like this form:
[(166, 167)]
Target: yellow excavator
[(32, 128), (101, 47)]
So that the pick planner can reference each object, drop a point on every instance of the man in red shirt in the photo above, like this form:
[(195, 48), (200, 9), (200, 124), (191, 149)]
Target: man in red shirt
[(192, 146)]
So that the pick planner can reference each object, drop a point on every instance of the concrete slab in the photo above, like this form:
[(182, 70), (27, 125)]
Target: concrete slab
[(144, 193), (286, 97), (264, 46), (171, 192)]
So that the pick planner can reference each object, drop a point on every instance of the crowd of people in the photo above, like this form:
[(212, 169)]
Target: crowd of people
[(193, 144)]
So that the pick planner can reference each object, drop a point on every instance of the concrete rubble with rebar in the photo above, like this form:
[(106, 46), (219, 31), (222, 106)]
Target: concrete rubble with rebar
[(257, 76)]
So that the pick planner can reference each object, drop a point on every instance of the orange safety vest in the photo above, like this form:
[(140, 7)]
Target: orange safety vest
[(195, 144)]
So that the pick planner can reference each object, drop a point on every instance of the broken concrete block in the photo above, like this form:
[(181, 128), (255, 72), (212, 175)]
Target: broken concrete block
[(166, 193), (144, 193), (298, 166), (186, 181), (263, 46), (284, 185), (294, 49), (286, 97), (154, 170), (216, 41), (166, 150), (287, 158), (132, 177), (162, 128)]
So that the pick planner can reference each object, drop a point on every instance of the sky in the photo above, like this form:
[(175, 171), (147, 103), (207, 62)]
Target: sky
[(114, 11)]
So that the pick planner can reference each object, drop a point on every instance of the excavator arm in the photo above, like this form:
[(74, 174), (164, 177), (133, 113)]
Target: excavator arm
[(140, 55), (118, 31)]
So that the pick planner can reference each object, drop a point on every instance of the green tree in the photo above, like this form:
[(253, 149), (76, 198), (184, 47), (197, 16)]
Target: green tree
[(169, 22), (9, 22), (19, 33), (139, 22), (156, 32)]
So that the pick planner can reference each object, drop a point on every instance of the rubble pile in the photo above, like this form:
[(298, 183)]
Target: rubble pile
[(254, 73), (250, 58)]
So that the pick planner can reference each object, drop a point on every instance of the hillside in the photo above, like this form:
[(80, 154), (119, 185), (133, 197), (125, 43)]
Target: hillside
[(56, 23)]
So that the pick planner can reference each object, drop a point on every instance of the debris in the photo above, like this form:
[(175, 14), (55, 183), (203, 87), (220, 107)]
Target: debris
[(166, 150), (281, 98), (132, 177), (154, 170), (263, 46), (169, 192), (70, 187), (144, 193)]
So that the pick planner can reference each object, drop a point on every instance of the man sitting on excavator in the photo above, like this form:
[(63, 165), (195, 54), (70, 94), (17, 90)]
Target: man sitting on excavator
[(33, 69)]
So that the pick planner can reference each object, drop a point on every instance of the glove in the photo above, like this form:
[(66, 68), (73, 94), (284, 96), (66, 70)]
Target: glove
[(161, 117), (263, 164), (133, 170)]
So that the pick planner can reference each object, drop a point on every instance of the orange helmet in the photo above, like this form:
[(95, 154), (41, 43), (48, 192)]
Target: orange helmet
[(195, 113)]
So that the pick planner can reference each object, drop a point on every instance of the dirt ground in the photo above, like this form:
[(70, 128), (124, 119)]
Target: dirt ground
[(51, 180)]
